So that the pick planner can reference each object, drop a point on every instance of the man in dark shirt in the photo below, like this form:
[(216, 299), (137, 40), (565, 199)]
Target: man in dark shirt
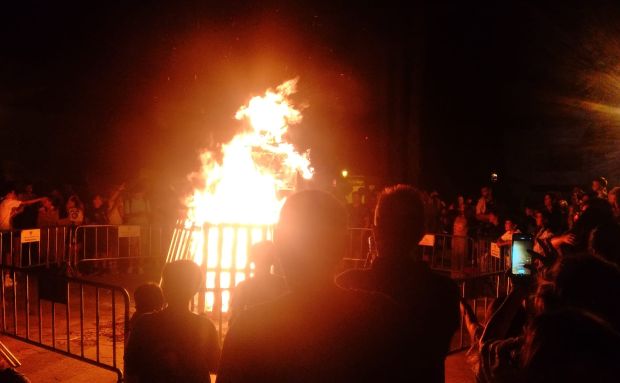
[(431, 300), (317, 332), (173, 345)]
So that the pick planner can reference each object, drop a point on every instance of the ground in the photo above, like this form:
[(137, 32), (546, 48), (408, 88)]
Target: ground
[(42, 366)]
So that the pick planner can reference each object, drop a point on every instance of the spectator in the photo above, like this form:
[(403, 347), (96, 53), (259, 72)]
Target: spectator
[(173, 345), (460, 230), (486, 204), (317, 332), (574, 208), (599, 187), (570, 345), (605, 243), (10, 375), (115, 206), (359, 216), (11, 206), (576, 283), (612, 197), (27, 218), (137, 209), (75, 210), (528, 223), (263, 286), (148, 298), (97, 213), (596, 212), (48, 214), (510, 228), (541, 232), (554, 214), (431, 300), (492, 229)]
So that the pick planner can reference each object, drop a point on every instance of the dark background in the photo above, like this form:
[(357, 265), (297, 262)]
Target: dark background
[(441, 94)]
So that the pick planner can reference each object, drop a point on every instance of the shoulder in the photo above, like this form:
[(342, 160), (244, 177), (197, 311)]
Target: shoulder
[(354, 279)]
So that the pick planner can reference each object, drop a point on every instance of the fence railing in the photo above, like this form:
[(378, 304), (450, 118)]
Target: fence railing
[(360, 250), (73, 246), (78, 318), (462, 256), (479, 292)]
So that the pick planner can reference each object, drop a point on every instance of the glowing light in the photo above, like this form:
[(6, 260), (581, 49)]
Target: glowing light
[(344, 173), (241, 186)]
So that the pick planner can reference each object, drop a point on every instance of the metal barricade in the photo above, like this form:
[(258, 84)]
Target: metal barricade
[(479, 291), (45, 246), (74, 317), (360, 249), (449, 253), (123, 243), (489, 257)]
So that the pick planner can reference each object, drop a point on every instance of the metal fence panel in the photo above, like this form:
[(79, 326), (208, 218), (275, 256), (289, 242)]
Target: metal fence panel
[(78, 318)]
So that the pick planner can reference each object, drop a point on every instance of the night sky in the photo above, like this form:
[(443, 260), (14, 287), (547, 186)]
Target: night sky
[(436, 93)]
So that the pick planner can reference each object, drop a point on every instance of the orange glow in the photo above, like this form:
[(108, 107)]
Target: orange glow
[(243, 189)]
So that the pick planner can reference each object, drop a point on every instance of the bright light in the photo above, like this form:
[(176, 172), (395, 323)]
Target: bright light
[(241, 184), (345, 173)]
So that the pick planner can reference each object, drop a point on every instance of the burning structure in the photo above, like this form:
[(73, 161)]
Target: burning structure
[(238, 195)]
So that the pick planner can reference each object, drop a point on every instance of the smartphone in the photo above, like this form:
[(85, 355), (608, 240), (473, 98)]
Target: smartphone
[(520, 257)]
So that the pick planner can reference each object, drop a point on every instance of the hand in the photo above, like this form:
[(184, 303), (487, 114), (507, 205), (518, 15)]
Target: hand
[(564, 239)]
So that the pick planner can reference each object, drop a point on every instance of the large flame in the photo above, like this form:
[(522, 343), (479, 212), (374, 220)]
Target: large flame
[(243, 188), (243, 185)]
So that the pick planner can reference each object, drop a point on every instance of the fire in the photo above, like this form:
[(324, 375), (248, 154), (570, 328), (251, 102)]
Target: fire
[(241, 191)]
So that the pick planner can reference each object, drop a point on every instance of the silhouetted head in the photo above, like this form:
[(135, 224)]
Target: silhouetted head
[(541, 219), (486, 192), (180, 280), (605, 242), (148, 297), (509, 225), (587, 283), (598, 184), (310, 239), (97, 201), (399, 220), (47, 203), (570, 345), (262, 254)]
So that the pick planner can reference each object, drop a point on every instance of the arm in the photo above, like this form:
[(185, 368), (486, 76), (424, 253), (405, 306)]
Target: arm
[(33, 201), (114, 199), (499, 324), (474, 328)]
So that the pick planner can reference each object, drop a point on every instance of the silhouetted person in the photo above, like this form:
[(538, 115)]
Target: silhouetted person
[(173, 345), (432, 301), (263, 286), (148, 298), (570, 345), (317, 332)]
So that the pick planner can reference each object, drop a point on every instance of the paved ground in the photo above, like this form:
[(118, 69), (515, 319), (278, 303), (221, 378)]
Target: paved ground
[(42, 366)]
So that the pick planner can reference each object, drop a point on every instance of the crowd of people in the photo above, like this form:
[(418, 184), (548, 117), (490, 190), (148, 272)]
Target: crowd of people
[(554, 216), (394, 320), (24, 208)]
